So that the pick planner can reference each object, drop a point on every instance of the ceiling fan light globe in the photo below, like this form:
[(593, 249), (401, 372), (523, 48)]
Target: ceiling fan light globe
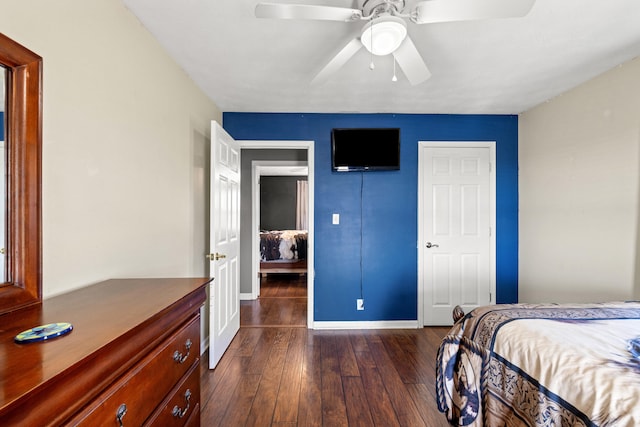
[(384, 35)]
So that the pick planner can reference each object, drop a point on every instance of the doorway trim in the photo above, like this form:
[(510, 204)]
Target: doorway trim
[(291, 145), (491, 145)]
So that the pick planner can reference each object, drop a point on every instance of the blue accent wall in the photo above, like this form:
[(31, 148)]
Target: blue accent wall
[(2, 125), (389, 208)]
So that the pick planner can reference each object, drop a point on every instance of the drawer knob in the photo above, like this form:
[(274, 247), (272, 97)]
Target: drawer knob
[(178, 357), (179, 413), (120, 413)]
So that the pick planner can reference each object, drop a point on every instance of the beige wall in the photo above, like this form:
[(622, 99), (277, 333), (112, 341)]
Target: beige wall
[(126, 137), (578, 189)]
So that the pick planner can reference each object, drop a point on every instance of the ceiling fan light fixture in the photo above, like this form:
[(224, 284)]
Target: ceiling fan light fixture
[(384, 35)]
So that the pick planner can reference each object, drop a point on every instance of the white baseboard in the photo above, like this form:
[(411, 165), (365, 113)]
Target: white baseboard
[(377, 324), (204, 345), (246, 296)]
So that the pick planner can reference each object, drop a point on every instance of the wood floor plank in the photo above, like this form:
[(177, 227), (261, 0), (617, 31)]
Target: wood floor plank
[(279, 313), (215, 406), (247, 342), (401, 400), (334, 410), (299, 317), (427, 405), (287, 401), (240, 401), (406, 339), (286, 315), (407, 371), (283, 335), (261, 412), (346, 356), (358, 410), (249, 312), (427, 348), (432, 336), (208, 378), (310, 403), (358, 341), (382, 410), (214, 376), (260, 356), (422, 367)]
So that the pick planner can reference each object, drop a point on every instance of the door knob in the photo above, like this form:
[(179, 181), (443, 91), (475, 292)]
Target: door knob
[(215, 257), (432, 245)]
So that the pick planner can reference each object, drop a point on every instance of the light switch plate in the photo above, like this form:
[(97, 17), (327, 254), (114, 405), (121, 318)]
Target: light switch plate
[(336, 219)]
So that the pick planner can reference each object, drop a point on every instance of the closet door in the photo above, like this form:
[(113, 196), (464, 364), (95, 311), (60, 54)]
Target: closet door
[(457, 260)]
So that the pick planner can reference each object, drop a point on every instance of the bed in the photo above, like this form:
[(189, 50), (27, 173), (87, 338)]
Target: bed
[(542, 365), (283, 251)]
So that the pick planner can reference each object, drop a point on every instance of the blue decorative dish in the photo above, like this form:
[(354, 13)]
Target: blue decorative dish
[(43, 332)]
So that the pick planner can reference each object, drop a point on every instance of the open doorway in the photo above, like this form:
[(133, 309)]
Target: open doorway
[(280, 206), (275, 159)]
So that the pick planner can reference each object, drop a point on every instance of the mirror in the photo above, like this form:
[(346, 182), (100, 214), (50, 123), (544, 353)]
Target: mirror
[(3, 182), (23, 190)]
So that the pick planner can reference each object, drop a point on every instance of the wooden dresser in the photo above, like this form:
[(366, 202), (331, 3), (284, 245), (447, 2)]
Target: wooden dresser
[(131, 359)]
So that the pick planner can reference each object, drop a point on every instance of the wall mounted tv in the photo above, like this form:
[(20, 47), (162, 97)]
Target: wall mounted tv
[(365, 149)]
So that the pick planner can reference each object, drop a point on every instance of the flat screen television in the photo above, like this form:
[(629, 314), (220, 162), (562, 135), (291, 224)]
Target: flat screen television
[(365, 149)]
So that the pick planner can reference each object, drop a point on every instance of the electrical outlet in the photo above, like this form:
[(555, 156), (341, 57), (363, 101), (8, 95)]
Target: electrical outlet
[(360, 304)]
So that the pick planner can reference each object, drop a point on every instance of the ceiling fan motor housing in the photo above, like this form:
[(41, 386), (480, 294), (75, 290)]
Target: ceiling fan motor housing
[(377, 7)]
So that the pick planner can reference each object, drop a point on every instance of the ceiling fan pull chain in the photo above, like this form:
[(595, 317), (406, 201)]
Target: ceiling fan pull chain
[(394, 78), (371, 65)]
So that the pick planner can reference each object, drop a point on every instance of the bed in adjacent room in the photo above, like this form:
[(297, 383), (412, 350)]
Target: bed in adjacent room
[(542, 365), (283, 251)]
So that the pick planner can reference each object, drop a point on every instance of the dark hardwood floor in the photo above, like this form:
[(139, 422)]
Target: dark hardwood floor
[(282, 302), (277, 372)]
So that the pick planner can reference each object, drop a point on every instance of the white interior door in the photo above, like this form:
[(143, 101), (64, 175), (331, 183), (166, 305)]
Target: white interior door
[(457, 261), (224, 293)]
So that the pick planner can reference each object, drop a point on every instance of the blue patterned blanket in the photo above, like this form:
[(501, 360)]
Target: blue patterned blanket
[(542, 365)]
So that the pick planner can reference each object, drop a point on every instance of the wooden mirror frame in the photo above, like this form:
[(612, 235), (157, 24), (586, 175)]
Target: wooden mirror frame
[(23, 133)]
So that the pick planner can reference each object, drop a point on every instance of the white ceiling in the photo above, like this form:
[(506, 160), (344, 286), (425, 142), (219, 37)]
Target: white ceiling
[(246, 64)]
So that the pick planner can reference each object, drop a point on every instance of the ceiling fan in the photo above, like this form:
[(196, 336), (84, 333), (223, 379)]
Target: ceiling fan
[(385, 30)]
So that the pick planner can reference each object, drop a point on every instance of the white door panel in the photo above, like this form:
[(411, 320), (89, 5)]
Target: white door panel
[(456, 242), (224, 300)]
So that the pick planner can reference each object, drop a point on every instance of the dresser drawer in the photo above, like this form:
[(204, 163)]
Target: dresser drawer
[(137, 394), (182, 406)]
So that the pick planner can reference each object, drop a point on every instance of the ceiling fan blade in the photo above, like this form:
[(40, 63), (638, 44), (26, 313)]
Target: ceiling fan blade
[(432, 11), (304, 11), (338, 61), (411, 63)]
